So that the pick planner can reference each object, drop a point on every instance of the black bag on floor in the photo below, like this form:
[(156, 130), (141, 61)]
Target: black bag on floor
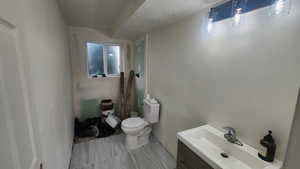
[(93, 127), (105, 130)]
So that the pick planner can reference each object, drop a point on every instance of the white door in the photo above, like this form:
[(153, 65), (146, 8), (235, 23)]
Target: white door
[(18, 142)]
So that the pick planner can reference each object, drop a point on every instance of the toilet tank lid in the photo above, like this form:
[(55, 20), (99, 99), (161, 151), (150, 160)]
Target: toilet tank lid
[(151, 102), (133, 122)]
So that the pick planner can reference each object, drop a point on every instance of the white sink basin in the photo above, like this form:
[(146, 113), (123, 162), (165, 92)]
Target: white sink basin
[(208, 143)]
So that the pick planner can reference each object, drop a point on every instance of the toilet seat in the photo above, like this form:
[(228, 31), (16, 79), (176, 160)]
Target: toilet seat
[(134, 123)]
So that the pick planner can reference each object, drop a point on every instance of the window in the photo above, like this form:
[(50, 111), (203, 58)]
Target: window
[(103, 59)]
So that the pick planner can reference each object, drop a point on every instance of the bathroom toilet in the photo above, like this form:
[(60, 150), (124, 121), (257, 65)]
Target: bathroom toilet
[(138, 129)]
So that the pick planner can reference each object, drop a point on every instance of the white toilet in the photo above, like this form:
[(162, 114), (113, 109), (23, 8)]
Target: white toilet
[(138, 129)]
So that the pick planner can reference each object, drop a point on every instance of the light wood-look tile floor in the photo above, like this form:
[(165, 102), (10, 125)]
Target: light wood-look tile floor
[(111, 153)]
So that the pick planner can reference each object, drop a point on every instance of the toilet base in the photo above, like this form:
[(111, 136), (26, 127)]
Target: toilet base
[(135, 142)]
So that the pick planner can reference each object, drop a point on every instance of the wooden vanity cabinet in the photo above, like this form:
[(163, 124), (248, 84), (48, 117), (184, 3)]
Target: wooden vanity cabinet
[(187, 159)]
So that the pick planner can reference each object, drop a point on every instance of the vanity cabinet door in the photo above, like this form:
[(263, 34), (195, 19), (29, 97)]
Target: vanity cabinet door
[(187, 159)]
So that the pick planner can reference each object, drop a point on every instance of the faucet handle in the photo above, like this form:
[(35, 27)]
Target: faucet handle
[(230, 130)]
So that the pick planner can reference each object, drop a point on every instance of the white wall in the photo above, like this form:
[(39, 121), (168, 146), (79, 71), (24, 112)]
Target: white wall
[(245, 77), (45, 49), (292, 157), (83, 86)]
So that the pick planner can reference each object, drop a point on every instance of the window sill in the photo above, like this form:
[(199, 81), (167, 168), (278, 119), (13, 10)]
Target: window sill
[(101, 77)]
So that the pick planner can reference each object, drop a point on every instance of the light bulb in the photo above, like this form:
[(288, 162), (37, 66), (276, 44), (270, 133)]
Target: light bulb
[(279, 6), (210, 25), (237, 16)]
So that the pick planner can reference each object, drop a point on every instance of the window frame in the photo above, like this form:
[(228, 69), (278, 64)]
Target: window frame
[(104, 60)]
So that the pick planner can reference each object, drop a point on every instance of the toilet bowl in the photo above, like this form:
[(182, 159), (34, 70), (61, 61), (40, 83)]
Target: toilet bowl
[(137, 132), (138, 129)]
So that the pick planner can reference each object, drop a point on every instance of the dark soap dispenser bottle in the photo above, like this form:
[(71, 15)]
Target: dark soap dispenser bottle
[(268, 148)]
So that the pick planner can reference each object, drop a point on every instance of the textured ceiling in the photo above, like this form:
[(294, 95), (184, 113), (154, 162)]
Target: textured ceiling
[(104, 15), (97, 14)]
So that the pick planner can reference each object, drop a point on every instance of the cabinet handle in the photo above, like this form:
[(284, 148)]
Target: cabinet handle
[(183, 164)]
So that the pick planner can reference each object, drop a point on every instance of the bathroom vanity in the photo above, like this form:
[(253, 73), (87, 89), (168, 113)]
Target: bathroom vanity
[(206, 148)]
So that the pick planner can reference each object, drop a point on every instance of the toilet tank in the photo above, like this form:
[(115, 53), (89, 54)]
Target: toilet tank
[(151, 111)]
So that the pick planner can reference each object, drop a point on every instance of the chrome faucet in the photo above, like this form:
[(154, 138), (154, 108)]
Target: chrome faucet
[(230, 136)]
